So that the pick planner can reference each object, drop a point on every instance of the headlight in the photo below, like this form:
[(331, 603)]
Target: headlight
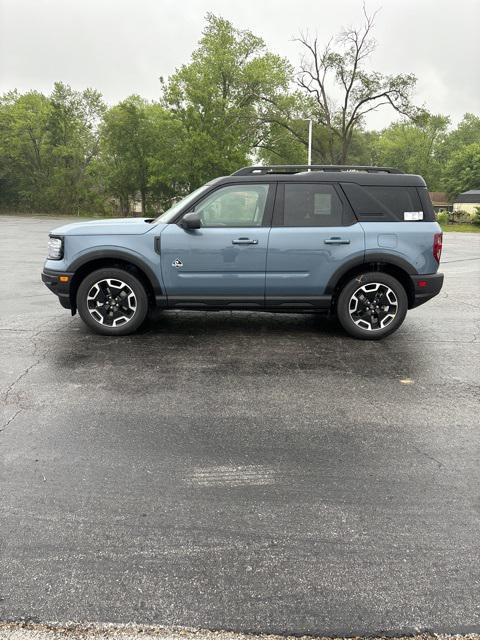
[(55, 249)]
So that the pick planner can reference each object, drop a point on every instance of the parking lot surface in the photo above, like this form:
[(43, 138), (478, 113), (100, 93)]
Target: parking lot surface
[(239, 471)]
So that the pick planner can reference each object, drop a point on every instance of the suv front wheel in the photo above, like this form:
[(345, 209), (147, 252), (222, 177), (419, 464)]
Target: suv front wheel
[(372, 305), (112, 302)]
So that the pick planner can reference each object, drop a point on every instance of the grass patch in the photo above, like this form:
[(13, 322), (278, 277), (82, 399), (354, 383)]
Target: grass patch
[(463, 228)]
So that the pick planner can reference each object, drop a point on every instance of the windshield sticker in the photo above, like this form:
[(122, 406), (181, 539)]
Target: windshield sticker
[(413, 215)]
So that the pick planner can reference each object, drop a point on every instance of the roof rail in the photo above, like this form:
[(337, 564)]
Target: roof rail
[(299, 168)]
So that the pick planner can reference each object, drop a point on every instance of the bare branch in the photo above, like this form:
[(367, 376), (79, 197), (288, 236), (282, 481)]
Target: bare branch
[(362, 92)]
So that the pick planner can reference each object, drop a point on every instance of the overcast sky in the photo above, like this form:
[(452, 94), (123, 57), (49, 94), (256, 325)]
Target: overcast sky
[(121, 47)]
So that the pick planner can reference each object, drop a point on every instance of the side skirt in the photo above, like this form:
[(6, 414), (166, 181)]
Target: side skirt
[(309, 304)]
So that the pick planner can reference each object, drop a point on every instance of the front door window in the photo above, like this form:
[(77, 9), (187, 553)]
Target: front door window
[(234, 206)]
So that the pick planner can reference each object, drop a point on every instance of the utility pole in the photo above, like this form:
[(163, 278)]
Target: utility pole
[(310, 128)]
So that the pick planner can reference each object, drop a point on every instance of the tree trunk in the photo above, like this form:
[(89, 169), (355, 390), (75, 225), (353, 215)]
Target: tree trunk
[(346, 142), (124, 205), (331, 148)]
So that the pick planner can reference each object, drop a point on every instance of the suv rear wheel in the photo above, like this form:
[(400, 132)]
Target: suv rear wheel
[(112, 302), (372, 306)]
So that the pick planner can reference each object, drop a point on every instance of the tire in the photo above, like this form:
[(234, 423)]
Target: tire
[(372, 306), (112, 302)]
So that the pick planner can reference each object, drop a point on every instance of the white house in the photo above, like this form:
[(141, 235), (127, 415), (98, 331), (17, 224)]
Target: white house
[(467, 201)]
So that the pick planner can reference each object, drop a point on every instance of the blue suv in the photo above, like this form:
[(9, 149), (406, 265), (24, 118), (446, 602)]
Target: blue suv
[(358, 242)]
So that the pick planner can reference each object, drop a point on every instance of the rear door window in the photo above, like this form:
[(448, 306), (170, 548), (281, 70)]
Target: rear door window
[(311, 205)]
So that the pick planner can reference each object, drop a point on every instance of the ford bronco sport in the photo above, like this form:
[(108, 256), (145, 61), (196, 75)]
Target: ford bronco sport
[(358, 242)]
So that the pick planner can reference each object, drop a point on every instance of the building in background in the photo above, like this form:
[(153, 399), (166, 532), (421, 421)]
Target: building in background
[(467, 201), (440, 201)]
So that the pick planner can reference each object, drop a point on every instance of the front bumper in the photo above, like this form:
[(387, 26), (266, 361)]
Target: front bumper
[(425, 288), (61, 289)]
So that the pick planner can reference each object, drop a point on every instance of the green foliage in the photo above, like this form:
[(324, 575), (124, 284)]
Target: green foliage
[(232, 104), (47, 145), (25, 151), (476, 217), (138, 142), (443, 217), (466, 133), (462, 171), (221, 98), (74, 139), (412, 146), (285, 138), (283, 146)]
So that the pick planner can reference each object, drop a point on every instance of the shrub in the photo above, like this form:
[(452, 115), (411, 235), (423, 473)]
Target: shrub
[(460, 216), (476, 216), (443, 217)]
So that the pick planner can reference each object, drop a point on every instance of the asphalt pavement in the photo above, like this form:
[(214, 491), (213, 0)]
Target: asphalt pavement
[(239, 471)]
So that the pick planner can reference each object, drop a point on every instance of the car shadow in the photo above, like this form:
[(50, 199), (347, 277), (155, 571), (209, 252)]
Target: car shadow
[(244, 322)]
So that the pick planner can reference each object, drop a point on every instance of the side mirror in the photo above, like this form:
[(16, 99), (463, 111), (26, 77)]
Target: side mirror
[(191, 221)]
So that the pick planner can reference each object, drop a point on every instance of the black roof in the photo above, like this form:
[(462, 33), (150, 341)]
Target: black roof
[(324, 173), (469, 196)]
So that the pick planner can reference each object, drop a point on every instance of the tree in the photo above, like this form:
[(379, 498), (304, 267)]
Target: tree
[(413, 146), (286, 142), (24, 150), (462, 172), (283, 146), (284, 138), (47, 145), (326, 72), (467, 132), (233, 103), (221, 98), (140, 141), (73, 128)]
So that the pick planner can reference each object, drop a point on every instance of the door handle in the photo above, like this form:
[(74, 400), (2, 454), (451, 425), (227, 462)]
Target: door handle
[(336, 240), (244, 241)]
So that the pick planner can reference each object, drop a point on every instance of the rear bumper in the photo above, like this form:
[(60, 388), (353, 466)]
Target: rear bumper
[(60, 289), (425, 288)]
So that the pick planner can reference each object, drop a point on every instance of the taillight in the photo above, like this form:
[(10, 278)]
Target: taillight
[(437, 246)]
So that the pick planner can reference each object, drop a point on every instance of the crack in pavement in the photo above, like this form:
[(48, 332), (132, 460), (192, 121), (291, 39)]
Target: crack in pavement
[(423, 453), (459, 260), (11, 419), (6, 394)]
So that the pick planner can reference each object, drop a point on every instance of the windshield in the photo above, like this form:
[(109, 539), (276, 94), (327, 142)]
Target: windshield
[(170, 214)]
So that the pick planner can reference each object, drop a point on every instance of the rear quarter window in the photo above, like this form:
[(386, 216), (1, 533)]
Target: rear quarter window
[(384, 203)]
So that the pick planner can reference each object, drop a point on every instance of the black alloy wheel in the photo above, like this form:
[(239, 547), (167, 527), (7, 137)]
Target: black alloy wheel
[(372, 305), (112, 301)]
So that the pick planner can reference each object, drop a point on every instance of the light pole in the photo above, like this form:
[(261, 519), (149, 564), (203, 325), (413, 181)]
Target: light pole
[(310, 131)]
